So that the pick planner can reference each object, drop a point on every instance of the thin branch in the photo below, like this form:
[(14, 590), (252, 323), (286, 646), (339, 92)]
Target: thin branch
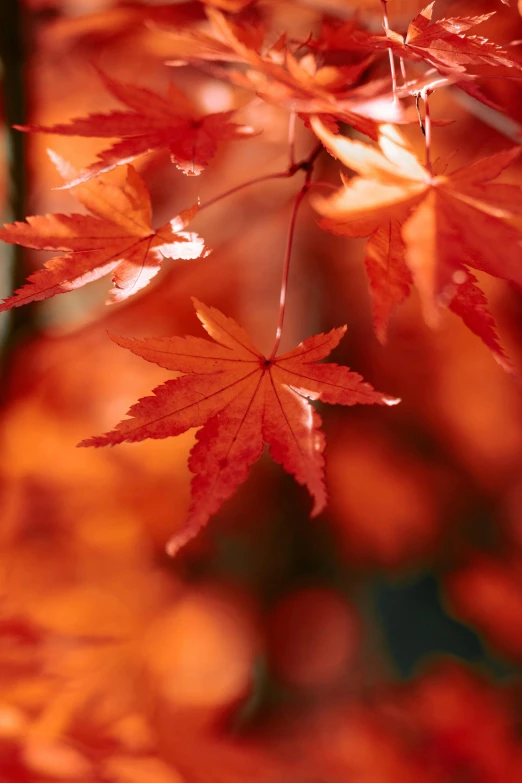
[(291, 138), (292, 169), (509, 127), (322, 184), (403, 70), (393, 70), (419, 115), (427, 128), (307, 166), (265, 178)]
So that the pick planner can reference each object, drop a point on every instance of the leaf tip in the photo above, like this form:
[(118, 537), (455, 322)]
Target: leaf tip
[(391, 401), (114, 337), (178, 540), (172, 546), (508, 367), (182, 220), (381, 334), (64, 168), (97, 441), (319, 507)]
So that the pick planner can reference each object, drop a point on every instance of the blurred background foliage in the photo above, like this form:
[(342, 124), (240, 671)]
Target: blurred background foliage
[(380, 643)]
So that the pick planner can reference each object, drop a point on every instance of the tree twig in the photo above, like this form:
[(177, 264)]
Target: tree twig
[(308, 167)]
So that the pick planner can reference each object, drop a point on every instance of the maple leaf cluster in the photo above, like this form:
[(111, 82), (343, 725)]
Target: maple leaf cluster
[(427, 226), (263, 171)]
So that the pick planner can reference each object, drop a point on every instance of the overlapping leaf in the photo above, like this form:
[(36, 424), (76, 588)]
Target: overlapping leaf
[(242, 400), (153, 123), (117, 238), (444, 44), (427, 228), (298, 82)]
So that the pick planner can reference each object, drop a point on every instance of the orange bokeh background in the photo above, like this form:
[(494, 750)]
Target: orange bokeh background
[(379, 643)]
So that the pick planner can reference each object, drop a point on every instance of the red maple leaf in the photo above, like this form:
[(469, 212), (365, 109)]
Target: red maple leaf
[(233, 6), (426, 229), (243, 400), (117, 238), (153, 123), (444, 44)]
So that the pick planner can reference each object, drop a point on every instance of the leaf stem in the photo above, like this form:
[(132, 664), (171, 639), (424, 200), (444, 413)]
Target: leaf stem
[(291, 138), (292, 169), (278, 175), (308, 167), (393, 71), (319, 183), (419, 115), (427, 129), (403, 70)]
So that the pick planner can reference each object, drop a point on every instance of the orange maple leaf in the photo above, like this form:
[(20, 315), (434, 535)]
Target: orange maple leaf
[(299, 83), (153, 123), (426, 228), (243, 400), (117, 238)]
